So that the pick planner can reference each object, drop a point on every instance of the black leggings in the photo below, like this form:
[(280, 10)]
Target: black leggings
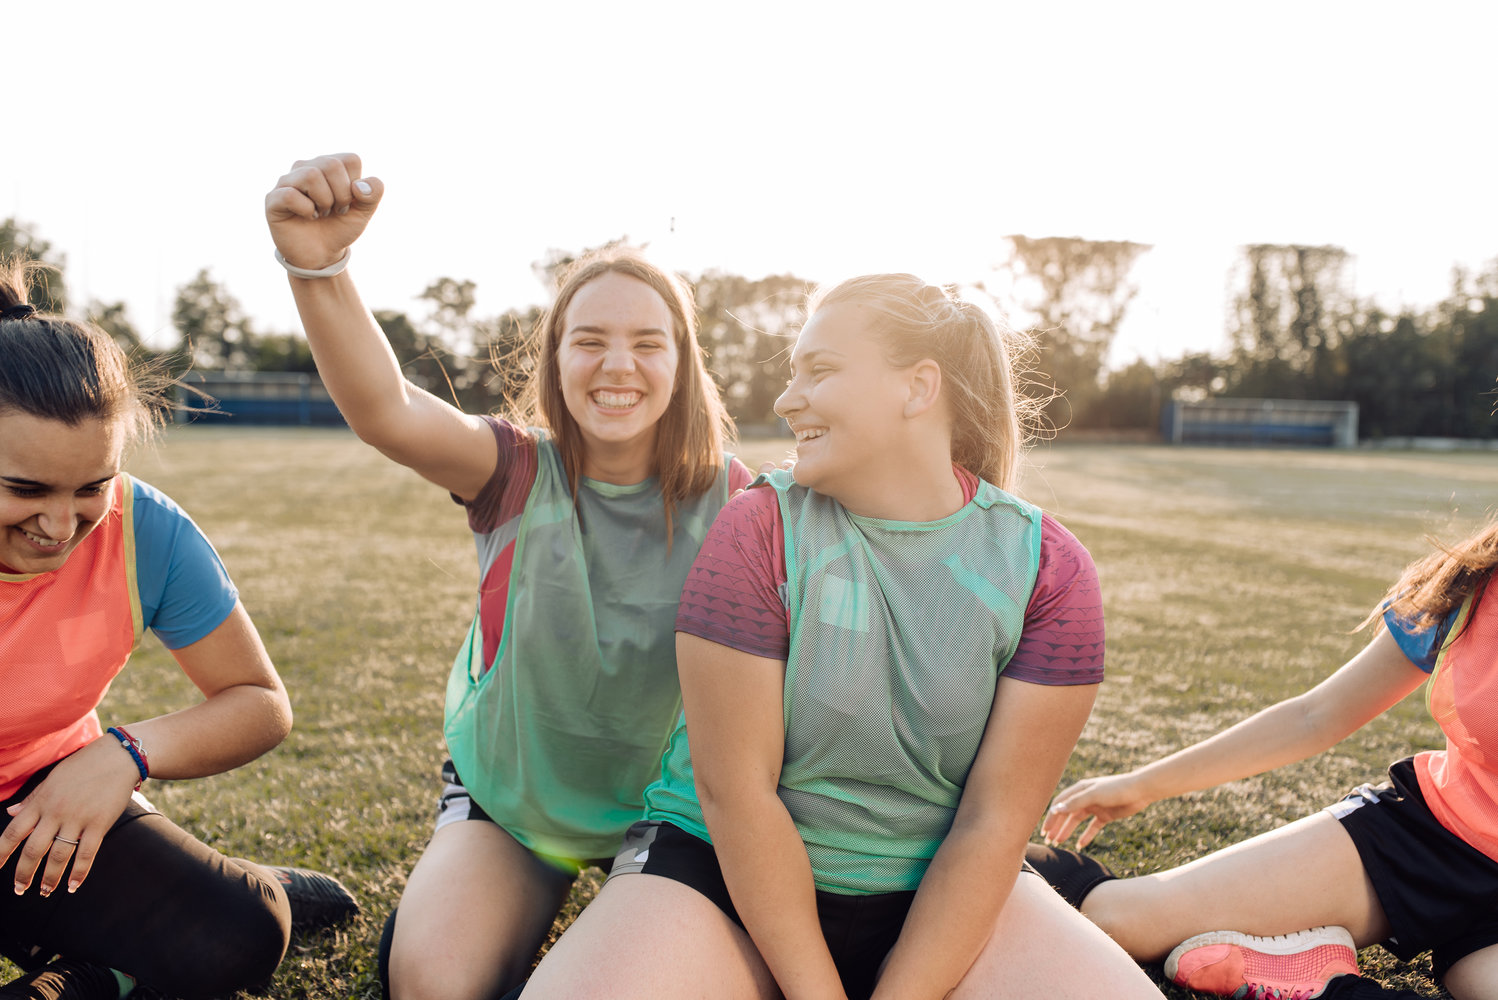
[(158, 904)]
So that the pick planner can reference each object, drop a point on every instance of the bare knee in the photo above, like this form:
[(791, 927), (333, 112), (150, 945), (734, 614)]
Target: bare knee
[(1108, 909), (475, 911), (431, 981), (1124, 909), (1041, 946), (423, 969), (693, 948), (1475, 976)]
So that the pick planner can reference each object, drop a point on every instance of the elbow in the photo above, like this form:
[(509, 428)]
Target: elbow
[(711, 798), (283, 724), (276, 719), (384, 421), (379, 434), (993, 847), (985, 826), (271, 733), (722, 799)]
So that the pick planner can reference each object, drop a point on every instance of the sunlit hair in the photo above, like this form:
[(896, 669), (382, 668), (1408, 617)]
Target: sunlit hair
[(992, 419), (60, 369), (691, 433), (1431, 587)]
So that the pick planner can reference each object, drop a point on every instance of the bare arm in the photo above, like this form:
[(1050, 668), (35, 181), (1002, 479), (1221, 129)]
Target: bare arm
[(244, 711), (1031, 732), (1364, 688), (733, 704), (243, 714), (315, 213)]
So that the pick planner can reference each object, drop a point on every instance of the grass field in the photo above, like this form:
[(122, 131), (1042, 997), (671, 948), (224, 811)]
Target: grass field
[(1231, 578)]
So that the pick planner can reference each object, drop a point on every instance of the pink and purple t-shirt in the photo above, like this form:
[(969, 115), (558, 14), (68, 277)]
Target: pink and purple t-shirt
[(735, 594)]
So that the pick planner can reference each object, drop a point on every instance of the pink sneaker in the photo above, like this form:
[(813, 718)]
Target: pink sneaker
[(1288, 967)]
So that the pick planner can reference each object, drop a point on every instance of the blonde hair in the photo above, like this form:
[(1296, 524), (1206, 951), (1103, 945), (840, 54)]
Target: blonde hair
[(992, 419), (60, 369), (690, 435), (1429, 588)]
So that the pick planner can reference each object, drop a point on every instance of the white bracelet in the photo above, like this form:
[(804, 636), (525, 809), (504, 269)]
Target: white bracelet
[(336, 267)]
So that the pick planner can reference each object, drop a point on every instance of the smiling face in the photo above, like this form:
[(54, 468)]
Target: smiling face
[(846, 405), (616, 359), (54, 486)]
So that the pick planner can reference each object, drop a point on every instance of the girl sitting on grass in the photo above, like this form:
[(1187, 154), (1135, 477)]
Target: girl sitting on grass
[(885, 662), (89, 559), (587, 508), (1411, 863)]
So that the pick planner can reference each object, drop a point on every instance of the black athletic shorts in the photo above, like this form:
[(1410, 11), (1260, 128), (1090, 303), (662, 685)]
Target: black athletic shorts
[(860, 930), (1439, 893), (457, 806)]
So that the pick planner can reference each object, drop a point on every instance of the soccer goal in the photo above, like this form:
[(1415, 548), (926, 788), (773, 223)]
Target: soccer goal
[(1263, 422)]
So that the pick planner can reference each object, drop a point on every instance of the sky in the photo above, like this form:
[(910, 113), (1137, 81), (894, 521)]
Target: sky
[(817, 138)]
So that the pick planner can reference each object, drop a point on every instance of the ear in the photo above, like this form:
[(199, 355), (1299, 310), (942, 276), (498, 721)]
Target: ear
[(924, 382)]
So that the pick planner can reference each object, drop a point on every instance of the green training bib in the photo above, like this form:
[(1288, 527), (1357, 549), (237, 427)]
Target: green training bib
[(558, 737)]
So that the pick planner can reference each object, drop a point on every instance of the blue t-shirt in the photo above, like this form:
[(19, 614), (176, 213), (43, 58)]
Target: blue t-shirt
[(65, 634), (1420, 647), (185, 592)]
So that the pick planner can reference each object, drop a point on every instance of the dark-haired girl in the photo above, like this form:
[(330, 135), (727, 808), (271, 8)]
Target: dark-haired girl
[(91, 557)]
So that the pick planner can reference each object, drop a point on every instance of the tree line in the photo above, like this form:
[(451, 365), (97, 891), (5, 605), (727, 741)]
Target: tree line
[(1295, 331)]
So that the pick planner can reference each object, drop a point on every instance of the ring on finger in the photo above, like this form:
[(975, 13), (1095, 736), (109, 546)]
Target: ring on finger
[(64, 840)]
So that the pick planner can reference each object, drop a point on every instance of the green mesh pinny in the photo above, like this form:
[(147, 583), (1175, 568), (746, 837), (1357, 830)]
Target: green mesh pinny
[(557, 738), (899, 632)]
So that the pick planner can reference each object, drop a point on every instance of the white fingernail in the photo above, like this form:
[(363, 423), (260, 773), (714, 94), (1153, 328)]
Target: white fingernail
[(363, 187)]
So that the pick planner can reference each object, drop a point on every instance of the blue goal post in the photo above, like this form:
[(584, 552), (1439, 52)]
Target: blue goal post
[(1262, 422)]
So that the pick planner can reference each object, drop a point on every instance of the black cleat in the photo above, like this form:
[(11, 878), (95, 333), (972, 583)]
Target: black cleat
[(317, 900)]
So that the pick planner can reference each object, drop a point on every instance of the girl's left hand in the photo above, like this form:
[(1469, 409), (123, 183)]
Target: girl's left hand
[(66, 816), (1100, 801), (788, 464)]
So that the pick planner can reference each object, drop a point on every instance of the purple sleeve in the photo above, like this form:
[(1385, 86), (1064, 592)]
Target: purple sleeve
[(1063, 638), (733, 596), (733, 593), (504, 495)]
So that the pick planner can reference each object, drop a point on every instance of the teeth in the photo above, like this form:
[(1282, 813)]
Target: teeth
[(619, 400), (38, 539), (803, 436)]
